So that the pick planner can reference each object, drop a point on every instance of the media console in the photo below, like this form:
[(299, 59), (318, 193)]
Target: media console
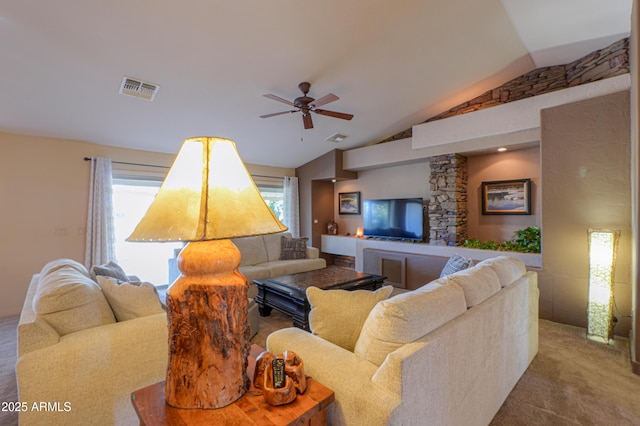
[(408, 264)]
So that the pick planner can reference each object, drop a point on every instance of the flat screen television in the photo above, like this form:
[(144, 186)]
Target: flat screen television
[(397, 219)]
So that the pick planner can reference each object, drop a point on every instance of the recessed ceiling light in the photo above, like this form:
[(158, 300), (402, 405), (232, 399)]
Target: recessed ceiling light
[(502, 149)]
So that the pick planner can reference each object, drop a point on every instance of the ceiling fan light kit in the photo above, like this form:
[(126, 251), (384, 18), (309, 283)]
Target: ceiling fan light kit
[(306, 105)]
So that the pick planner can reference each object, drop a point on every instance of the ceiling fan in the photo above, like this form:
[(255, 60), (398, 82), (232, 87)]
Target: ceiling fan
[(307, 105)]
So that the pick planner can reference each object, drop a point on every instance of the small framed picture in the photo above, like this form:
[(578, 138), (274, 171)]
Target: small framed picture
[(506, 197), (349, 203)]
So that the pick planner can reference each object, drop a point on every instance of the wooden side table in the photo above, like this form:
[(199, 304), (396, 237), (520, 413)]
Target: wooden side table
[(308, 408)]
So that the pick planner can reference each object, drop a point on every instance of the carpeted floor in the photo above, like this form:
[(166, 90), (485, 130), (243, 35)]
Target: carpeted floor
[(572, 381), (8, 350)]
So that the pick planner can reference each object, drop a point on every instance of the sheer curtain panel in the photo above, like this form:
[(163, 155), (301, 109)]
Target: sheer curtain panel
[(291, 205), (100, 244)]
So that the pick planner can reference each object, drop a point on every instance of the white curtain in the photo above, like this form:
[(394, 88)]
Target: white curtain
[(291, 205), (100, 244)]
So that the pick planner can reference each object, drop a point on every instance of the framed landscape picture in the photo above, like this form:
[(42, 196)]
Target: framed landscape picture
[(506, 197), (349, 203)]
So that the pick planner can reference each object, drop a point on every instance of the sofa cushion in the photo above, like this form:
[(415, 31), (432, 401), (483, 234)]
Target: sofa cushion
[(338, 315), (252, 250), (272, 243), (509, 269), (478, 283), (130, 300), (110, 269), (286, 267), (293, 248), (407, 317), (454, 264), (70, 301), (54, 265), (255, 272)]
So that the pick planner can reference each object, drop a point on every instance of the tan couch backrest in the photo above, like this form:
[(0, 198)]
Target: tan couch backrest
[(407, 317), (69, 300)]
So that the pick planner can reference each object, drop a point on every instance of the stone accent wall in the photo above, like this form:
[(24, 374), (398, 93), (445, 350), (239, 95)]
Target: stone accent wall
[(604, 63), (448, 204)]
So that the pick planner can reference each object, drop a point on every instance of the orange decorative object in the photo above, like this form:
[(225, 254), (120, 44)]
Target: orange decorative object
[(294, 368), (295, 380)]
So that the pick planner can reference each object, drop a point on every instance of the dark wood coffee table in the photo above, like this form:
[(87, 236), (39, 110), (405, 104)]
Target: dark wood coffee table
[(287, 293)]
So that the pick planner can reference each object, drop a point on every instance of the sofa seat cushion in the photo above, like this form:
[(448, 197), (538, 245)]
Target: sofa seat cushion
[(338, 315), (130, 300), (478, 283), (407, 317), (252, 250), (508, 269), (286, 267), (69, 301), (254, 272)]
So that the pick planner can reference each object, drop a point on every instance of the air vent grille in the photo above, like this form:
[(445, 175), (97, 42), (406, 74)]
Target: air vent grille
[(336, 137), (138, 88)]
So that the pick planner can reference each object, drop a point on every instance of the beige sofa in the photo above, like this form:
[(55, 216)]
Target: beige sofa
[(76, 364), (447, 353), (76, 356), (261, 259)]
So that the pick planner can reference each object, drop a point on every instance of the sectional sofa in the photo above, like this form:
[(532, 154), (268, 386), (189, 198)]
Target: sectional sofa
[(447, 353)]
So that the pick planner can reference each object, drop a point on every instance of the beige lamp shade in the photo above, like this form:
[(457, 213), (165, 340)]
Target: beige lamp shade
[(207, 195)]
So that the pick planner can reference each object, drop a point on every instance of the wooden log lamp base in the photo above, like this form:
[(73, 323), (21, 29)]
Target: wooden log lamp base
[(208, 332)]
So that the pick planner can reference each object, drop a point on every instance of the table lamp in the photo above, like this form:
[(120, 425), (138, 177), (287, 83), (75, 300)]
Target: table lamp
[(207, 197)]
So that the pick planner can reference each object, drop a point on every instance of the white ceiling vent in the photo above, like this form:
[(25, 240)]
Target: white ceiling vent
[(336, 137), (138, 88)]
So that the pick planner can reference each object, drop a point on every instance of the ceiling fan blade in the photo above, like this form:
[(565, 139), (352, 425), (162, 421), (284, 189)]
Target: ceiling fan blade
[(278, 113), (334, 114), (279, 99), (324, 100), (308, 123)]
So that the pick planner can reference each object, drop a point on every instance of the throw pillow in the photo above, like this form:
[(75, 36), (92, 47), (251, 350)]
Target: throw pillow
[(293, 248), (338, 315), (110, 269), (454, 264), (131, 300)]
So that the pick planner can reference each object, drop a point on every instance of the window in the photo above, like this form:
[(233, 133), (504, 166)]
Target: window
[(273, 195), (155, 262), (149, 261)]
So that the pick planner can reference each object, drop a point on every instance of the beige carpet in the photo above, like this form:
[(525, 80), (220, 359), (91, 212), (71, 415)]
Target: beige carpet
[(8, 349), (572, 381)]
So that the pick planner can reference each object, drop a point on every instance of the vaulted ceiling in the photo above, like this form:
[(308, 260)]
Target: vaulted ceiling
[(392, 64)]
